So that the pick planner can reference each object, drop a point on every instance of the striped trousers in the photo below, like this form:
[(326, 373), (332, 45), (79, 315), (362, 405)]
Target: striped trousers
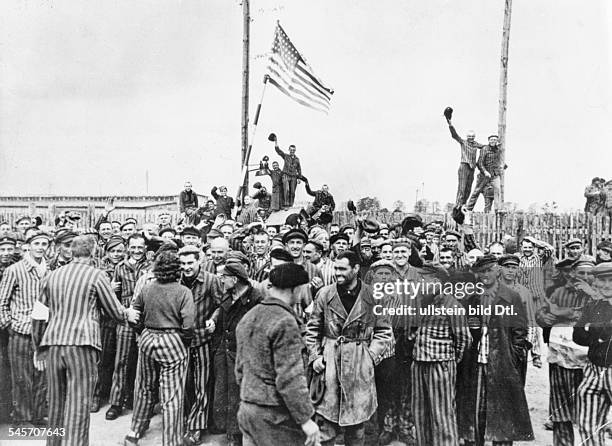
[(433, 402), (162, 358), (122, 388), (5, 382), (106, 363), (200, 364), (594, 400), (29, 384), (72, 372), (564, 385), (464, 185), (480, 423)]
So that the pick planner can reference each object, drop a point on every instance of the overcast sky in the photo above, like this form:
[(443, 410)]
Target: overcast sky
[(93, 94)]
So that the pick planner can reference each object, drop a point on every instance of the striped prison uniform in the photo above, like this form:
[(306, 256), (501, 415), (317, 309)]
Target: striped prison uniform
[(594, 329), (439, 344), (207, 291), (563, 388), (122, 388), (532, 275), (168, 314), (162, 359), (108, 335), (466, 167), (565, 366), (19, 289), (74, 295)]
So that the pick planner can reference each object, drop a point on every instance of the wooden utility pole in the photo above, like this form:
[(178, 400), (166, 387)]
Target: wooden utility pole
[(245, 91), (503, 89)]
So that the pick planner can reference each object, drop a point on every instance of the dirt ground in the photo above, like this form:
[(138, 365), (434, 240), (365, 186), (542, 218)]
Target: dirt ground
[(112, 432)]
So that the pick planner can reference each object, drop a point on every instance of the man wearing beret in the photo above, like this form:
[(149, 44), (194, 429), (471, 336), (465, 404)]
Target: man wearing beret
[(594, 330), (490, 167), (19, 290), (346, 339), (63, 256), (7, 250), (491, 374), (239, 296), (469, 149), (275, 406), (566, 360), (127, 229)]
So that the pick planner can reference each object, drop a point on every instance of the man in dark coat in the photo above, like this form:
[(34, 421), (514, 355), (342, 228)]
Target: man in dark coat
[(239, 297), (491, 403), (275, 406), (188, 203)]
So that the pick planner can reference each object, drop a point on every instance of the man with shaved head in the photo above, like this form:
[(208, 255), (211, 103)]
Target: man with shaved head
[(218, 250), (469, 147)]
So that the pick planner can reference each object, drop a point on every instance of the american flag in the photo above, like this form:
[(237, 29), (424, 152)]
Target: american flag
[(288, 71)]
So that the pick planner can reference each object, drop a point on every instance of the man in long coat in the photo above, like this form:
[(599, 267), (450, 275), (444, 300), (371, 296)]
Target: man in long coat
[(491, 403), (345, 340)]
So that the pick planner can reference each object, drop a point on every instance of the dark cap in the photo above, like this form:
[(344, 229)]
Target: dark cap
[(509, 259), (128, 222), (573, 241), (293, 220), (37, 234), (288, 275), (236, 256), (484, 262), (163, 231), (317, 244), (370, 225), (191, 230), (453, 233), (7, 240), (237, 270), (339, 236), (115, 240), (64, 235), (281, 254), (295, 233), (564, 264)]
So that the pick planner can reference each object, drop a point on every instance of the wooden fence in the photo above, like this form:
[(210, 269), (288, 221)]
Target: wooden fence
[(555, 229)]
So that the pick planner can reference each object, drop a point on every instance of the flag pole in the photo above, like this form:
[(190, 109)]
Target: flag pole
[(243, 189), (245, 92), (503, 91)]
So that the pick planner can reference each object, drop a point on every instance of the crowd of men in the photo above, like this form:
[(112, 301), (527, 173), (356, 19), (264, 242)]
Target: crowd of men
[(275, 334)]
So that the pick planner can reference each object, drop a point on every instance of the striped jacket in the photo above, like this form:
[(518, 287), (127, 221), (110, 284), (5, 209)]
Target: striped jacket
[(74, 294), (128, 274), (207, 292), (19, 289)]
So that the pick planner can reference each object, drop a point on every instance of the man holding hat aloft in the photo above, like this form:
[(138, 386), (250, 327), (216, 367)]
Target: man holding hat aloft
[(19, 290), (594, 330), (491, 403), (239, 296), (275, 406)]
